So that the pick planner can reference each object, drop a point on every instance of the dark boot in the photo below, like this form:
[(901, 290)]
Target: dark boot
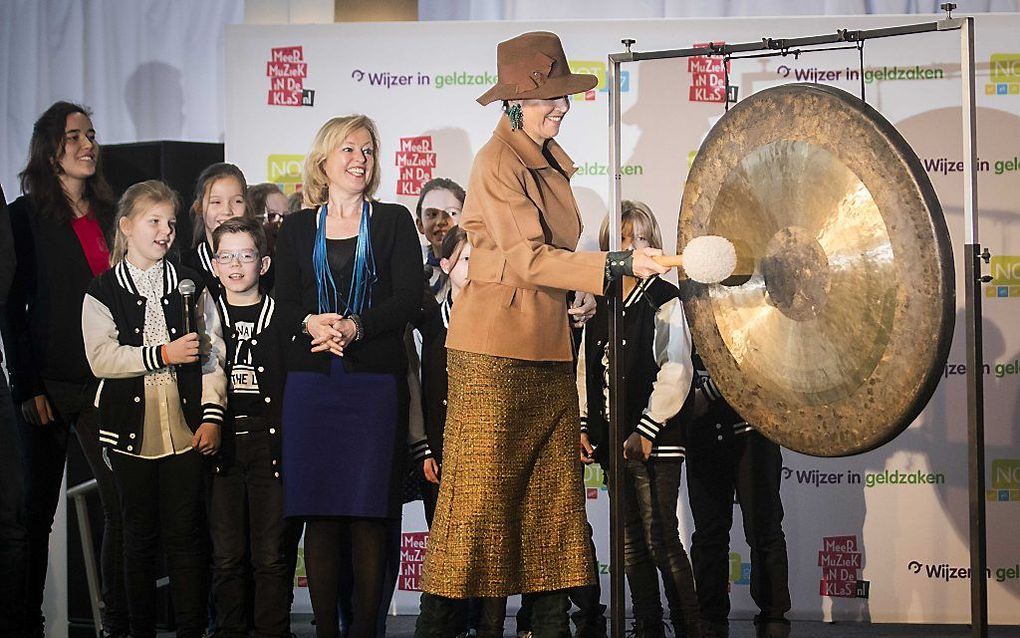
[(687, 627), (549, 617), (491, 616), (648, 628), (771, 628), (440, 617), (715, 629)]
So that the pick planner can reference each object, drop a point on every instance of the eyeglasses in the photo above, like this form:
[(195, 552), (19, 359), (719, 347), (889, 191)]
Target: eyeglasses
[(242, 256), (433, 213)]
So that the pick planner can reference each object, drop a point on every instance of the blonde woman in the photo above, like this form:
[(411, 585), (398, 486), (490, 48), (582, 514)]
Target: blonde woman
[(348, 282)]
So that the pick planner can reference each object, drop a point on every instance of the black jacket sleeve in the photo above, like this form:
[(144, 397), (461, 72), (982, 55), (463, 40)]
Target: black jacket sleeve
[(7, 257), (288, 286), (405, 268), (25, 382)]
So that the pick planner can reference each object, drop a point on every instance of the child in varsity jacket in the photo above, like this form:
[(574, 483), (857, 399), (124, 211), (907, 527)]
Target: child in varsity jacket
[(161, 404), (246, 514), (454, 254), (656, 347)]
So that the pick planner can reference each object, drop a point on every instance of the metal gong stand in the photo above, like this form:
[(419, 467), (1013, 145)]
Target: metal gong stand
[(972, 257)]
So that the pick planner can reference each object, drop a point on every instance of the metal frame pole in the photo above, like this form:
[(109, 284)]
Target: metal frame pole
[(81, 507), (975, 354), (617, 375), (972, 273)]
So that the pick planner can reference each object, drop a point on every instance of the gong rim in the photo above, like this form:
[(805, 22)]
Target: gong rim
[(847, 400)]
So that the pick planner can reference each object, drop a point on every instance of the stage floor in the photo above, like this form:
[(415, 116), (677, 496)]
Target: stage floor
[(403, 627)]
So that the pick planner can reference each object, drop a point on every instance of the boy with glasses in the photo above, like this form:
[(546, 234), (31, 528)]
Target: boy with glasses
[(246, 515)]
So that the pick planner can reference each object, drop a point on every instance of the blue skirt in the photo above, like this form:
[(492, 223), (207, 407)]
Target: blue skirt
[(341, 434)]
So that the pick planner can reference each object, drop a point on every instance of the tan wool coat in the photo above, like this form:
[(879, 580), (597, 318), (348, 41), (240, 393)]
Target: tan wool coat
[(523, 224)]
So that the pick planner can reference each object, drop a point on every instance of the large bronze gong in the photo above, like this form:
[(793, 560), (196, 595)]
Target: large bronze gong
[(835, 338)]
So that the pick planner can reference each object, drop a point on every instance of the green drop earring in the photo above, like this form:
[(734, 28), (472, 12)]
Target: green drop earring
[(516, 117)]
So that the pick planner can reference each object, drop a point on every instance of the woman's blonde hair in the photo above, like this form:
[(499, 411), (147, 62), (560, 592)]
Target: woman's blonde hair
[(316, 187), (137, 199), (641, 220)]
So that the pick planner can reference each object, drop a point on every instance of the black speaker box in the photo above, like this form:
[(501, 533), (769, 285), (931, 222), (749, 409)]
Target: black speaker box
[(176, 163)]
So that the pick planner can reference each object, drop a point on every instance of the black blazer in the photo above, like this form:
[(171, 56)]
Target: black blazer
[(43, 310), (396, 295)]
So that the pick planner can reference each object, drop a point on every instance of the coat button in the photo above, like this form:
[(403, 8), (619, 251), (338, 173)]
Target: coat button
[(268, 400), (261, 369), (141, 303), (272, 430), (138, 399), (444, 401), (166, 302), (137, 330), (130, 449), (623, 342), (276, 474), (275, 462), (184, 401), (254, 342), (132, 435), (173, 331), (719, 437), (718, 426)]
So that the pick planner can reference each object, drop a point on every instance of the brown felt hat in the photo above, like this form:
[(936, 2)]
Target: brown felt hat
[(534, 66)]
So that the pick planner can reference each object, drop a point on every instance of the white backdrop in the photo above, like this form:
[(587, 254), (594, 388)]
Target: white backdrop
[(898, 514)]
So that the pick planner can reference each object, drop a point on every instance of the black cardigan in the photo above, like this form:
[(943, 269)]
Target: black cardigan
[(396, 295), (43, 312)]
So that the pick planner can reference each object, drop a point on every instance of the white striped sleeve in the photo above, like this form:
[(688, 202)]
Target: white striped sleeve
[(582, 382), (107, 357), (672, 350), (417, 440), (213, 355)]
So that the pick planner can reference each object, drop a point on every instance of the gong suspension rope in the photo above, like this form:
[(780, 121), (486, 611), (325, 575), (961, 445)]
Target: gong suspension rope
[(796, 53)]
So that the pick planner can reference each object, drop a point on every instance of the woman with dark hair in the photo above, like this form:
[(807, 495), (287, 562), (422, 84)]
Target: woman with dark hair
[(349, 282), (61, 225)]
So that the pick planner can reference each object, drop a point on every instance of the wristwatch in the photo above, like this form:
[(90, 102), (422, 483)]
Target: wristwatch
[(304, 325)]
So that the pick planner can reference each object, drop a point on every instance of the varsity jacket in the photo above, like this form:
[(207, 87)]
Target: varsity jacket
[(434, 376), (656, 351), (113, 320), (199, 260), (720, 422), (264, 358), (43, 334)]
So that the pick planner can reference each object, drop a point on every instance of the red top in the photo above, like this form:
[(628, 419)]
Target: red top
[(90, 236)]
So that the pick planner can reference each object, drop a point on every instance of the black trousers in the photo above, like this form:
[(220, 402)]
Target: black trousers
[(44, 449), (246, 519), (652, 544), (162, 499), (749, 466), (13, 529)]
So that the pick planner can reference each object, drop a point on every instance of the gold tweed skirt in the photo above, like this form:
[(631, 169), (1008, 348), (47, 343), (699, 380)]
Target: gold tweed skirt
[(510, 517)]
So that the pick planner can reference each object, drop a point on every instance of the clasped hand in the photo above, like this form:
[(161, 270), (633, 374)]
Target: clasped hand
[(331, 332)]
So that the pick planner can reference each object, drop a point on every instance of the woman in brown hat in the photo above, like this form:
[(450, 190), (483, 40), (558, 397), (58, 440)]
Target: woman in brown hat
[(511, 517)]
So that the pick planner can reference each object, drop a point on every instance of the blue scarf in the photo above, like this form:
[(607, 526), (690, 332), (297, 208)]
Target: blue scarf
[(362, 278)]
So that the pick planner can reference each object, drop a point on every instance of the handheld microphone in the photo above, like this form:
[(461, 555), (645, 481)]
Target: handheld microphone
[(187, 290)]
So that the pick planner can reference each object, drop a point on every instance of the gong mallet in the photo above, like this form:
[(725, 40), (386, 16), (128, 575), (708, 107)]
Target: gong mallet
[(708, 259)]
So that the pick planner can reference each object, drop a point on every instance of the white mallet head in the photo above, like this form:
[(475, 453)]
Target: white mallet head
[(709, 259)]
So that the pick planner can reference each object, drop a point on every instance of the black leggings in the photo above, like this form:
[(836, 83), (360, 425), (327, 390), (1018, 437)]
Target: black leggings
[(325, 562)]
